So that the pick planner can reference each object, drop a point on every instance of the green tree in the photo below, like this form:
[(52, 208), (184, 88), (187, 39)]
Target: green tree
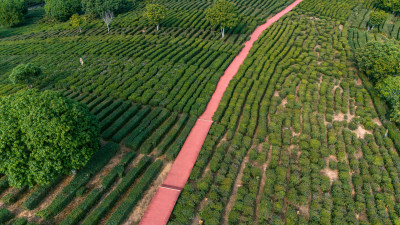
[(391, 5), (379, 59), (155, 13), (61, 10), (389, 88), (222, 14), (25, 73), (99, 7), (43, 135), (376, 18), (12, 12), (78, 21)]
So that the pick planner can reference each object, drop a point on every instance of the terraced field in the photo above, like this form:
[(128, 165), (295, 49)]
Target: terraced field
[(300, 136), (147, 89)]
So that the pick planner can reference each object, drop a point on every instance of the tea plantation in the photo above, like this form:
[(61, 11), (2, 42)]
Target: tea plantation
[(301, 135)]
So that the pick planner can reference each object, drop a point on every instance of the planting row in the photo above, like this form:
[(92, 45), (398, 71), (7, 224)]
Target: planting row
[(297, 112)]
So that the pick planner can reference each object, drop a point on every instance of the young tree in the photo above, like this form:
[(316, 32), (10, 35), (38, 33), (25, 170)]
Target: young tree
[(12, 12), (376, 18), (78, 21), (25, 73), (43, 135), (107, 17), (62, 10), (155, 13), (222, 14)]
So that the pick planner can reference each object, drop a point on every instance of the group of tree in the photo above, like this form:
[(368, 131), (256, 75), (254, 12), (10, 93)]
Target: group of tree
[(44, 135), (390, 5), (12, 12), (376, 19), (221, 14), (380, 61)]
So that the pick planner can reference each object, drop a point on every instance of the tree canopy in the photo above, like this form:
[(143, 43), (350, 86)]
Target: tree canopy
[(154, 13), (24, 73), (379, 59), (12, 12), (377, 18), (98, 7), (62, 10), (223, 14), (391, 5), (43, 135)]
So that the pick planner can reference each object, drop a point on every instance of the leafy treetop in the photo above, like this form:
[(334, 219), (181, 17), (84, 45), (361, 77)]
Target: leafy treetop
[(43, 135), (154, 13), (223, 14), (379, 59), (12, 12), (25, 73)]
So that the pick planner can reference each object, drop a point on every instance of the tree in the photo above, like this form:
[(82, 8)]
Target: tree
[(376, 18), (222, 14), (154, 14), (379, 59), (12, 12), (25, 73), (61, 10), (78, 21), (98, 7), (43, 135), (389, 88), (107, 17), (391, 5)]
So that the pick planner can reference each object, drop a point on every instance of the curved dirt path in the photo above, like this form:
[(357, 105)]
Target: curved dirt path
[(167, 194)]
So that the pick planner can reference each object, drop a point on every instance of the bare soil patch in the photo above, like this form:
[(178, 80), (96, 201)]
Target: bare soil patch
[(331, 174), (361, 132)]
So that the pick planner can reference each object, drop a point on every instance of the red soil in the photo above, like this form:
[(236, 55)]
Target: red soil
[(164, 200)]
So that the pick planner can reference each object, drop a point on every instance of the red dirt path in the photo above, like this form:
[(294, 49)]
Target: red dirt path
[(167, 194)]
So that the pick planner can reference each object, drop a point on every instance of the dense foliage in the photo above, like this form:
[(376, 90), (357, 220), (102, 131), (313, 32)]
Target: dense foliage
[(25, 73), (42, 135), (377, 18), (97, 7), (62, 10), (379, 59), (389, 89), (223, 14), (390, 5), (12, 12), (154, 13)]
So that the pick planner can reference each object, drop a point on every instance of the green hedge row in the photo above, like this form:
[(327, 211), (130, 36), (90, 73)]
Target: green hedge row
[(158, 134), (95, 164), (5, 215), (109, 202), (14, 195), (175, 148), (33, 200), (144, 130), (133, 122), (78, 213), (162, 147), (117, 124), (125, 208), (107, 121)]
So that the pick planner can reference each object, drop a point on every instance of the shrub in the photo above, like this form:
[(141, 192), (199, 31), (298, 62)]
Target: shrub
[(12, 12), (5, 215), (24, 73), (43, 135), (61, 10)]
